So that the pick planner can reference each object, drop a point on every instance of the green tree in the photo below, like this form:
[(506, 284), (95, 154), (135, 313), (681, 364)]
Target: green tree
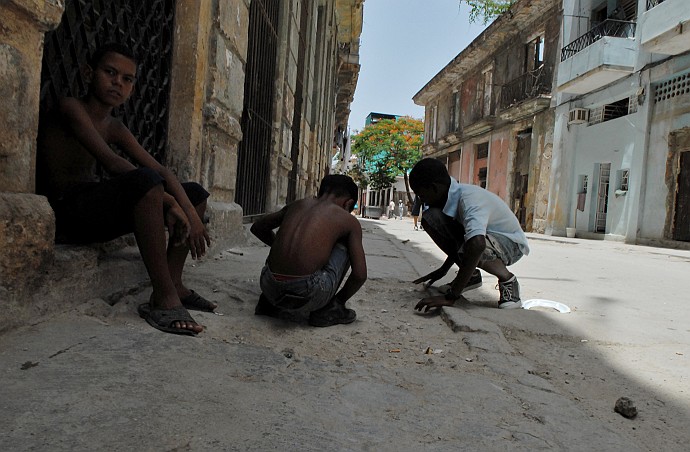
[(487, 10), (389, 148)]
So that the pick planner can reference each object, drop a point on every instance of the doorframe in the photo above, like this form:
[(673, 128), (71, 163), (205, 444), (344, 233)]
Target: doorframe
[(678, 142)]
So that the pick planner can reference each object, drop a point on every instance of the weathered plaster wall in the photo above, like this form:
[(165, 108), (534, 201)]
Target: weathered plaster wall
[(500, 157), (668, 127), (537, 198)]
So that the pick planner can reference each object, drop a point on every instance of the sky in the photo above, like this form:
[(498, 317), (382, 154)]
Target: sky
[(404, 43)]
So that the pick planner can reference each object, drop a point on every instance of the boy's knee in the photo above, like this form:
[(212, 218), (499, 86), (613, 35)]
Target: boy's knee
[(196, 193), (144, 181)]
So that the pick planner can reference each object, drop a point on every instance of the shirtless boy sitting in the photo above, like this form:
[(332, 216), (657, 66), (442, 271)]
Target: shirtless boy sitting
[(73, 140), (317, 241)]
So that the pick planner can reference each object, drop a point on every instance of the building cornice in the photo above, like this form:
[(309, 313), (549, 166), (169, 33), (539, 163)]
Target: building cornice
[(517, 18)]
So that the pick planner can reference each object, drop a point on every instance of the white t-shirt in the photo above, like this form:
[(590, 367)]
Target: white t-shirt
[(482, 212)]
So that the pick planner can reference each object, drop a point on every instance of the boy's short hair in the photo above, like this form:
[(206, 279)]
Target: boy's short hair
[(339, 185), (428, 171), (114, 47)]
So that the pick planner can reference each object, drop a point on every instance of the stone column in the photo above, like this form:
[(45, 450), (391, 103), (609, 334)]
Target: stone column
[(206, 105), (27, 225)]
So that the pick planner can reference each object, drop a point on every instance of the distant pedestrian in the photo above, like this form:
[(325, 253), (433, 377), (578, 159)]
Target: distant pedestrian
[(400, 209), (391, 209), (416, 212)]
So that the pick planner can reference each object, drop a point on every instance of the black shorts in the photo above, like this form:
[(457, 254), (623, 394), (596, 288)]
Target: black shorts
[(102, 211), (416, 207)]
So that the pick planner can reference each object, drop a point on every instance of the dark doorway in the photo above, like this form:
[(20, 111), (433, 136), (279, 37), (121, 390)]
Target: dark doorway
[(681, 222), (521, 176), (253, 156), (144, 26)]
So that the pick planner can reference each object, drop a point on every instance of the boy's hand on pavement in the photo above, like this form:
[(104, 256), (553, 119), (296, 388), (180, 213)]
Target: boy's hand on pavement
[(178, 226), (433, 302), (431, 277)]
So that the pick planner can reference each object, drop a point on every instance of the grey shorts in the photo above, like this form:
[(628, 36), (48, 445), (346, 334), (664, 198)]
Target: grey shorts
[(448, 234), (501, 247), (308, 293)]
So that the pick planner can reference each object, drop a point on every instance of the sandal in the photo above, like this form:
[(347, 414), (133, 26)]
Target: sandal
[(196, 302), (162, 319)]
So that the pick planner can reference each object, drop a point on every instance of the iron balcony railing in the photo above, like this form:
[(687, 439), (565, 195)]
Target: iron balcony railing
[(652, 3), (527, 86), (609, 27)]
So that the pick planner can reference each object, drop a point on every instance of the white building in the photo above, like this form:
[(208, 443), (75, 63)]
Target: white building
[(622, 128)]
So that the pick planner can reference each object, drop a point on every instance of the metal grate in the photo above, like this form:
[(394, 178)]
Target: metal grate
[(147, 28), (254, 150), (609, 27), (613, 110), (527, 86)]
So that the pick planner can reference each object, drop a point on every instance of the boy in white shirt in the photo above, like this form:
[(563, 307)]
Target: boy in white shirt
[(475, 229)]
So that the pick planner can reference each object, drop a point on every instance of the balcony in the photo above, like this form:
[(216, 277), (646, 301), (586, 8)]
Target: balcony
[(665, 27), (601, 56), (526, 95)]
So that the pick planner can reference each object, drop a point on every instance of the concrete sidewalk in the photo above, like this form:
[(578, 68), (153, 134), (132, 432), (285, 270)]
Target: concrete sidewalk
[(97, 377)]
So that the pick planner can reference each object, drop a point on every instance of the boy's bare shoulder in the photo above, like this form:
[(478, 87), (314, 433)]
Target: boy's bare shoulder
[(325, 211), (70, 105)]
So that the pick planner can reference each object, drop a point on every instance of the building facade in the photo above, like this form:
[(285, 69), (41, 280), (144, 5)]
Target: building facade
[(248, 97), (489, 115), (621, 169)]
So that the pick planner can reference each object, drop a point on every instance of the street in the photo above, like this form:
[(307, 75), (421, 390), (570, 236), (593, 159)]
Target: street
[(471, 377)]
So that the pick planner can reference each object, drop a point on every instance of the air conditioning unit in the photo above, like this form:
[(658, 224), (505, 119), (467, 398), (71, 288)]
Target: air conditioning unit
[(578, 116)]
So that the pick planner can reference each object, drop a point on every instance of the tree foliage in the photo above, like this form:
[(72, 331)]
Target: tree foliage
[(486, 10), (389, 148)]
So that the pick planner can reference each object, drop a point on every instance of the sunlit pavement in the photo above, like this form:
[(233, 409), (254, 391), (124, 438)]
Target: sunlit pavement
[(627, 301)]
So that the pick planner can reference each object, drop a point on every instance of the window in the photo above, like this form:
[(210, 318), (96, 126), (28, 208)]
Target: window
[(455, 112), (434, 123), (534, 55), (479, 97), (584, 182), (623, 176), (480, 164), (482, 151), (611, 111), (482, 97), (481, 176), (488, 80)]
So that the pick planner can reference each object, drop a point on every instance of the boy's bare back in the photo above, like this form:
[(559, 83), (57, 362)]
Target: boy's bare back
[(309, 229)]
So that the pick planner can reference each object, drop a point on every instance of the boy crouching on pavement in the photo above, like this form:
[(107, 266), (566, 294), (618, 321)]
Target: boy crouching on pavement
[(317, 242), (76, 138), (475, 229)]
